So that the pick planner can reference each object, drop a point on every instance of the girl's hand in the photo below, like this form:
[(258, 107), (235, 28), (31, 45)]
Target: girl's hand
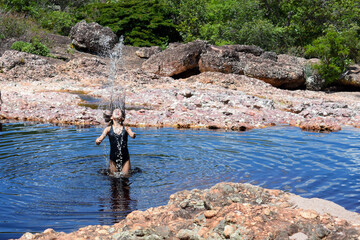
[(98, 141)]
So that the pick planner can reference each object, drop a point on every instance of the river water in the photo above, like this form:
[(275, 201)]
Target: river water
[(51, 177)]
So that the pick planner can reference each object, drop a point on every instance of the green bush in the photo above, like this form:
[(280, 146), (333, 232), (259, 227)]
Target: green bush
[(57, 21), (333, 49), (21, 6), (35, 47), (258, 32), (20, 46)]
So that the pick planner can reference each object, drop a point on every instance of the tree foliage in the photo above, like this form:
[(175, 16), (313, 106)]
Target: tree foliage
[(336, 51), (142, 23)]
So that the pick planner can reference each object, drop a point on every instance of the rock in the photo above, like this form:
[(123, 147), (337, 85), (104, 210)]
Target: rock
[(210, 213), (229, 59), (17, 66), (269, 55), (277, 74), (185, 234), (28, 236), (228, 231), (174, 61), (252, 49), (309, 214), (222, 59), (314, 83), (93, 38), (292, 60), (147, 52), (352, 78), (299, 236)]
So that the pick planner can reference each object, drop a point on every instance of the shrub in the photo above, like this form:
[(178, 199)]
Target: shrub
[(57, 21), (35, 47), (20, 46), (258, 32), (333, 49)]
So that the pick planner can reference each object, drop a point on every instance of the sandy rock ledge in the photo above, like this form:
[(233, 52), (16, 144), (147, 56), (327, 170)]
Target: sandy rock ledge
[(227, 211)]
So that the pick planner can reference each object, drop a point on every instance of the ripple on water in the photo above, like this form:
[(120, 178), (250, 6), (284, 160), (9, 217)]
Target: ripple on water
[(50, 175)]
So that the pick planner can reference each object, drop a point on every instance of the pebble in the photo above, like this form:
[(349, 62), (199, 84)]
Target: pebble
[(299, 236), (309, 214), (210, 213), (229, 229)]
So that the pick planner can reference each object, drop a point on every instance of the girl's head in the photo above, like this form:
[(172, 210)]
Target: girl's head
[(118, 115)]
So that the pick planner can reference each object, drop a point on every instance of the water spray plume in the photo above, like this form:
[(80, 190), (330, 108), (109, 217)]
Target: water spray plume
[(117, 94)]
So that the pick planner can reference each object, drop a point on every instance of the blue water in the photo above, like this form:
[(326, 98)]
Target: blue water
[(51, 176)]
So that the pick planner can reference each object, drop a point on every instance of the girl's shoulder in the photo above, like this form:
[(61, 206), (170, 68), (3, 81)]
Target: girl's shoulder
[(107, 129)]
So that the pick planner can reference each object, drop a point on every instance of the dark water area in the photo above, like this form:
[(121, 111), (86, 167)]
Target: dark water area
[(51, 176)]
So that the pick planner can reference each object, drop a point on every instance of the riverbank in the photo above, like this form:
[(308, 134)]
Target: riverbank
[(213, 100), (227, 211)]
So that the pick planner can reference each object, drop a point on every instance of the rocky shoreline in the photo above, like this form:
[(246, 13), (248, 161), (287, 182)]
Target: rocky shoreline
[(227, 211), (211, 100)]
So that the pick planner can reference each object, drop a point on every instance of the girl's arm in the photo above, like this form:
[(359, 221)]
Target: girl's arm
[(130, 132), (102, 136)]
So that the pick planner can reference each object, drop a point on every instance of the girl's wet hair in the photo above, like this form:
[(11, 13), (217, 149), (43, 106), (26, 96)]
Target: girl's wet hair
[(107, 116)]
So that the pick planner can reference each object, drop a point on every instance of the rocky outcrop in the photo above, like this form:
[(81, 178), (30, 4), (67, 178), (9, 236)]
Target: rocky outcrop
[(246, 60), (93, 38), (175, 60), (227, 211), (258, 64), (20, 66)]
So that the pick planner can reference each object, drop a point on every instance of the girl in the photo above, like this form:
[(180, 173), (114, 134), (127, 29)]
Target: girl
[(118, 137)]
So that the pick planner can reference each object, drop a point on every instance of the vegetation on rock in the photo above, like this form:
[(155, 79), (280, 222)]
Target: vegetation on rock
[(34, 47)]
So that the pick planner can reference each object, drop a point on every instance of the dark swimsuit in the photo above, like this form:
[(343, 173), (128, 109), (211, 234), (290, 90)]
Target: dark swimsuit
[(119, 152)]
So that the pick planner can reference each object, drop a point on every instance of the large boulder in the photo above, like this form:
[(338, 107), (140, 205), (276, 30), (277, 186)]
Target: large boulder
[(225, 59), (277, 74), (252, 62), (175, 60), (93, 38)]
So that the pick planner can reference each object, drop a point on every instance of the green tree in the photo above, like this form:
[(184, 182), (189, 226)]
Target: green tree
[(142, 23), (333, 49)]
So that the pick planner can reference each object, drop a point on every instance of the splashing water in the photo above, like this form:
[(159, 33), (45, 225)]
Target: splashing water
[(117, 93), (117, 96)]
